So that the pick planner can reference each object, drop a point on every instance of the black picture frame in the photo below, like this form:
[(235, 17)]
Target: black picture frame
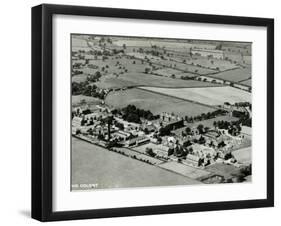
[(42, 111)]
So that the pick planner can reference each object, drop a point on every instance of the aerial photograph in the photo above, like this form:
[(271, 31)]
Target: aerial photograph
[(149, 112)]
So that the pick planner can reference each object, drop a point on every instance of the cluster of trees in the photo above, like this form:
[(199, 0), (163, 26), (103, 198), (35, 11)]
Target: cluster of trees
[(150, 152), (133, 114), (201, 130), (228, 156), (76, 72), (95, 77), (243, 172), (187, 77), (117, 51), (233, 127), (244, 118), (119, 125), (179, 151), (84, 88), (77, 65), (147, 70), (201, 140), (240, 104), (164, 131), (205, 116)]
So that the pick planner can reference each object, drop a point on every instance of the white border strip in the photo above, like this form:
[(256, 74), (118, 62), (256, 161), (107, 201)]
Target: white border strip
[(64, 200)]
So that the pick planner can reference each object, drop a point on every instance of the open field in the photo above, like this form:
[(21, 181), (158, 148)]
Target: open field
[(243, 155), (209, 122), (235, 75), (179, 44), (81, 99), (167, 72), (222, 169), (154, 102), (92, 164), (212, 63), (206, 95), (117, 65), (142, 79), (185, 170), (174, 63), (79, 78), (247, 82), (182, 66), (79, 42)]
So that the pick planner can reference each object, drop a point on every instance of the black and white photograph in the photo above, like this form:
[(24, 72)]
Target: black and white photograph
[(139, 113), (149, 112)]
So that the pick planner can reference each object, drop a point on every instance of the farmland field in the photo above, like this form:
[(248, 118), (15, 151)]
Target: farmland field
[(224, 170), (178, 88), (79, 44), (243, 155), (235, 75), (172, 63), (114, 64), (211, 63), (167, 43), (183, 66), (206, 95), (154, 102), (79, 78), (81, 99), (142, 79), (167, 72), (247, 82), (185, 170), (92, 164)]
